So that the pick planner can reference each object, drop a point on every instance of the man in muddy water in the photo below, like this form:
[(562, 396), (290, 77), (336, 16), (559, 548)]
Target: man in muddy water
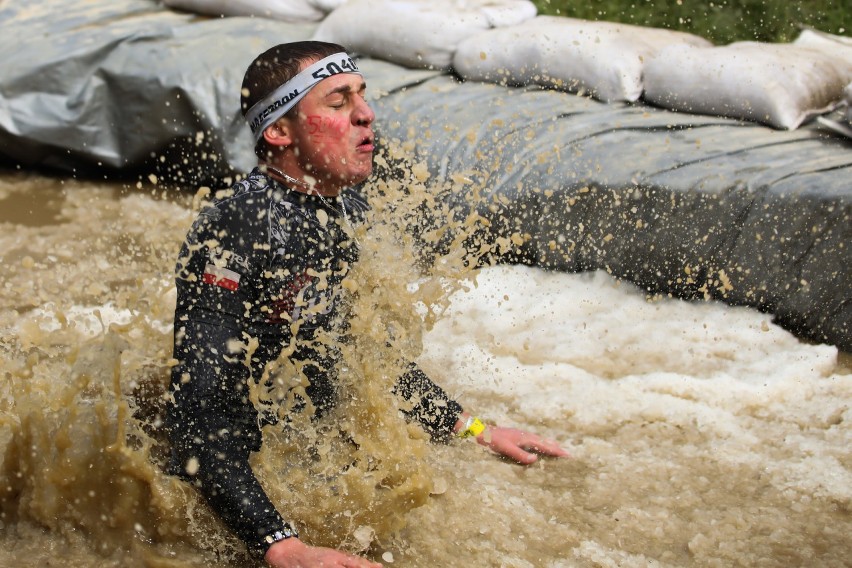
[(266, 261)]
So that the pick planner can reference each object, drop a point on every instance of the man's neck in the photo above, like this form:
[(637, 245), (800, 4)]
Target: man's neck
[(296, 183)]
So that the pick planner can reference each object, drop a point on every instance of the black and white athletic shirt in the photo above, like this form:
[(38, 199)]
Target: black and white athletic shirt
[(256, 261)]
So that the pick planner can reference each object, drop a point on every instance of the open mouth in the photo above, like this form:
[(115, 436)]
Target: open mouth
[(366, 144)]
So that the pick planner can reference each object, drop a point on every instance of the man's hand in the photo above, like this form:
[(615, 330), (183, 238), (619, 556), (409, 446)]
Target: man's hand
[(293, 553), (519, 445)]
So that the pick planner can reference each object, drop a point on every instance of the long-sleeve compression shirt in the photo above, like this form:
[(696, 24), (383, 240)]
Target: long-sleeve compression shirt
[(261, 262)]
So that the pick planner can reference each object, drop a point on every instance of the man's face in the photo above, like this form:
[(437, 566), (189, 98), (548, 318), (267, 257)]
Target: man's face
[(332, 137)]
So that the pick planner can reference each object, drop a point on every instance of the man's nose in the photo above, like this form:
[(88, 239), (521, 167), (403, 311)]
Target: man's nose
[(363, 115)]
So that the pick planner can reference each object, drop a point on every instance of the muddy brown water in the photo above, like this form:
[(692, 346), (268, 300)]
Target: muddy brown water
[(701, 435)]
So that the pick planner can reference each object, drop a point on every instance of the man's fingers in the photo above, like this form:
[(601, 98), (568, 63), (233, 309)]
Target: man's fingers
[(518, 445), (517, 453), (546, 447), (522, 457)]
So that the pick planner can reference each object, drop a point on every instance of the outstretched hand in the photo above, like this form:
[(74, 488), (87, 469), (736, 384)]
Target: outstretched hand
[(522, 447), (293, 553)]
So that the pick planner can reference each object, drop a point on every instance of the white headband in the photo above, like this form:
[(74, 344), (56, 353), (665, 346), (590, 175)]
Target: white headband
[(275, 105)]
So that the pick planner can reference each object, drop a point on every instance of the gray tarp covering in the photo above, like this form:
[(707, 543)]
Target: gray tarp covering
[(112, 82), (692, 205)]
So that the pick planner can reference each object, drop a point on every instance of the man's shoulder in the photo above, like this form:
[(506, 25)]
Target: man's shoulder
[(238, 212), (252, 190)]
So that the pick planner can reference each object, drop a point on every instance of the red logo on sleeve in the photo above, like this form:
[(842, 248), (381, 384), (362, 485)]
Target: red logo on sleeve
[(222, 277)]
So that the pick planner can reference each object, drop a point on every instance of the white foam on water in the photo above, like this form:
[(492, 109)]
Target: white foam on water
[(658, 397)]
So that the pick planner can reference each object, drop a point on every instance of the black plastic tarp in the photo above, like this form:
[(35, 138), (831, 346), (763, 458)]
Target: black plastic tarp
[(694, 206)]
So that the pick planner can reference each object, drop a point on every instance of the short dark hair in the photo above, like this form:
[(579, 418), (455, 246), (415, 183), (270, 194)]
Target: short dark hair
[(273, 68)]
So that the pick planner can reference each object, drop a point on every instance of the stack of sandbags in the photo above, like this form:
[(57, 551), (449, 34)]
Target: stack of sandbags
[(285, 10), (782, 85), (603, 59), (415, 33)]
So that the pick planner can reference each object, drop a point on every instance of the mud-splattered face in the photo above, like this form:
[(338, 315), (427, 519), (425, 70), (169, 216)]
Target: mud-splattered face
[(332, 137)]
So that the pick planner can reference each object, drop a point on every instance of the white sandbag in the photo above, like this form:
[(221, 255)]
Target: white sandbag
[(782, 85), (605, 59), (417, 33), (837, 48), (285, 10)]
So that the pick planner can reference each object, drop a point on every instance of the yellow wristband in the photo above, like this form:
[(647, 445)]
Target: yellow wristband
[(472, 428)]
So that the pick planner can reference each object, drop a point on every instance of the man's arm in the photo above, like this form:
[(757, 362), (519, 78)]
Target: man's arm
[(213, 429), (212, 424), (431, 406), (443, 417)]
